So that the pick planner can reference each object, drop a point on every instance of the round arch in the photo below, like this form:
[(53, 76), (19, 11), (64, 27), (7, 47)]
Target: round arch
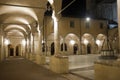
[(100, 41), (72, 42), (18, 30), (88, 43)]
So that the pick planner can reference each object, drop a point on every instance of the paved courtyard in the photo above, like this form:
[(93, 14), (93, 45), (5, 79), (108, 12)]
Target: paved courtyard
[(22, 69), (18, 68)]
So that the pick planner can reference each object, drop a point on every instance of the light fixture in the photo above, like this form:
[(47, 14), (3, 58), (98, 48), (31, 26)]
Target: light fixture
[(23, 42), (72, 42), (98, 42), (88, 19), (7, 41), (86, 41)]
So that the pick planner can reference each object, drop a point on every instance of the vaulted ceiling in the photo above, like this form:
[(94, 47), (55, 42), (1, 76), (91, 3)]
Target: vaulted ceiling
[(18, 16)]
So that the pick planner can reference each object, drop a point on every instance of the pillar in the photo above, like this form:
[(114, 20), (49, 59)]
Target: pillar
[(39, 57), (118, 7), (56, 38), (57, 61), (1, 44)]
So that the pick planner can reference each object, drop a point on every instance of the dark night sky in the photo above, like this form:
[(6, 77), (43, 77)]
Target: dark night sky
[(77, 9)]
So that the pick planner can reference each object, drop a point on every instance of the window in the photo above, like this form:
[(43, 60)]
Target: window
[(72, 24), (43, 47), (64, 47), (101, 25)]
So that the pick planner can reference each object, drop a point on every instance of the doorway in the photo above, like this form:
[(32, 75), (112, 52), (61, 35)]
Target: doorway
[(88, 49), (10, 50), (52, 49), (75, 48), (17, 51)]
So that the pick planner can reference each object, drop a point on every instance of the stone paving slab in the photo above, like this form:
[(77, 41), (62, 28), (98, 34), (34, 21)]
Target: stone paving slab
[(22, 69), (73, 77), (86, 73)]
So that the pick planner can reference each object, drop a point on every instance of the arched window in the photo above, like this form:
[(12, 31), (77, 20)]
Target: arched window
[(64, 47), (43, 47)]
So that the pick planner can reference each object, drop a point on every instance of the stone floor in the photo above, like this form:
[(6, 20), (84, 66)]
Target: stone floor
[(86, 73), (81, 67), (22, 69)]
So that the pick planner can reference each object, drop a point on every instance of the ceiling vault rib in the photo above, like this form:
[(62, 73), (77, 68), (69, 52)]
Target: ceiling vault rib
[(21, 6), (13, 24)]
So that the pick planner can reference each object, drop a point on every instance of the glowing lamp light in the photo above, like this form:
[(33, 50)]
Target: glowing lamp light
[(42, 41), (23, 42), (50, 1), (98, 42), (72, 42), (87, 19), (7, 41), (86, 41)]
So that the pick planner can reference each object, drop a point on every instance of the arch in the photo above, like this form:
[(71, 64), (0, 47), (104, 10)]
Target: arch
[(88, 37), (100, 39), (20, 16), (71, 36), (22, 10), (19, 31), (88, 43), (69, 39), (12, 19), (15, 27)]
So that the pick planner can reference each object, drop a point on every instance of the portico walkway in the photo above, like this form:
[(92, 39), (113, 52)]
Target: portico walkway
[(22, 69)]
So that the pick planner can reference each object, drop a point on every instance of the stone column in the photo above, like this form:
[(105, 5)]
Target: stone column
[(1, 44), (56, 15), (57, 61), (39, 58), (28, 45), (36, 46), (37, 43), (56, 38), (118, 7), (64, 45)]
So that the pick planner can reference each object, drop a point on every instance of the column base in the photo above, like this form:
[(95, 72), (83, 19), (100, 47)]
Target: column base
[(27, 55), (40, 59), (59, 64), (31, 57)]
